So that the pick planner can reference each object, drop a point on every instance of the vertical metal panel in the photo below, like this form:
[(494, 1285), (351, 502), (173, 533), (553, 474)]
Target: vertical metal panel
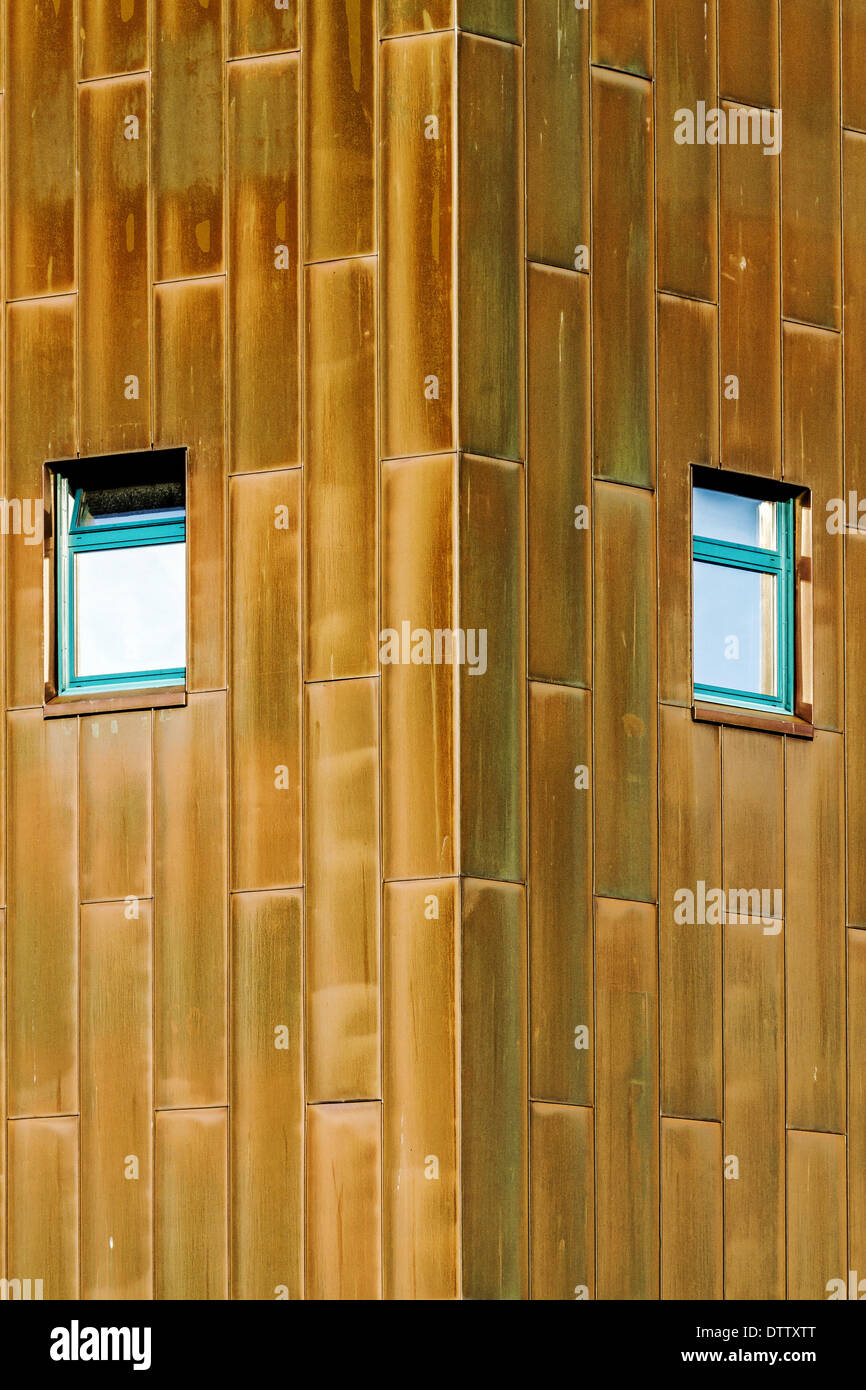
[(562, 1202), (414, 16), (267, 1096), (116, 1101), (855, 741), (815, 932), (42, 921), (754, 1132), (854, 221), (4, 1108), (40, 425), (499, 19), (416, 204), (188, 138), (692, 1244), (749, 51), (817, 1213), (622, 35), (560, 886), (627, 1101), (115, 273), (341, 471), (266, 680), (342, 890), (264, 264), (624, 785), (189, 855), (750, 309), (40, 148), (753, 804), (189, 332), (112, 37), (116, 806), (255, 27), (339, 58), (43, 1204), (344, 1201), (191, 1195), (420, 1089), (490, 257), (856, 1105), (556, 53), (623, 298), (687, 174), (853, 59), (494, 1111), (690, 953), (813, 456), (492, 700), (811, 173), (419, 811), (558, 476)]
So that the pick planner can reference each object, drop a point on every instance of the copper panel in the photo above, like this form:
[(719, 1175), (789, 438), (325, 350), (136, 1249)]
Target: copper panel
[(339, 58), (341, 471), (623, 298), (42, 920), (39, 425), (754, 1131), (750, 310), (499, 19), (690, 953), (625, 693), (817, 1213), (854, 221), (558, 476), (419, 1037), (855, 741), (43, 1204), (112, 37), (267, 1096), (692, 1237), (416, 202), (190, 872), (562, 1202), (342, 890), (266, 680), (815, 933), (853, 59), (419, 820), (688, 394), (116, 1101), (556, 54), (494, 1119), (492, 687), (264, 264), (856, 1104), (116, 806), (811, 155), (4, 1168), (114, 366), (687, 174), (490, 258), (189, 333), (753, 782), (749, 51), (191, 1191), (560, 888), (40, 148), (414, 16), (188, 138), (813, 456), (626, 1101), (622, 35), (344, 1201), (257, 27)]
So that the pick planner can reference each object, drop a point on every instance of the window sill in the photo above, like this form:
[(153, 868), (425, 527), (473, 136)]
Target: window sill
[(737, 718), (158, 697)]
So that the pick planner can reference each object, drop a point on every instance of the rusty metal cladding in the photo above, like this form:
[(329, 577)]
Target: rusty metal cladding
[(344, 1201), (190, 1189), (112, 37), (749, 51), (562, 1201), (692, 1181), (853, 58), (398, 17), (622, 35), (556, 57), (256, 27)]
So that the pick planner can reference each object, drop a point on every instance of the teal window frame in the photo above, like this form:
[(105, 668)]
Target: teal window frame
[(164, 528), (778, 562)]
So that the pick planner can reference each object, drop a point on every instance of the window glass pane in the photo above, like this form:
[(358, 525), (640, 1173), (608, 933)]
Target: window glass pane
[(735, 628), (722, 516), (130, 610)]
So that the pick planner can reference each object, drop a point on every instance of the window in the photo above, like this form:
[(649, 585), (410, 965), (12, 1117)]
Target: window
[(743, 576), (120, 558)]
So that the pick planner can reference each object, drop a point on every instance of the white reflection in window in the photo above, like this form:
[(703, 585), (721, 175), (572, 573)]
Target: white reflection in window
[(130, 610)]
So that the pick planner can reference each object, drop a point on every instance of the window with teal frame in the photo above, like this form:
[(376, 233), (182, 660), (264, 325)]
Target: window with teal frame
[(121, 577), (743, 599)]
